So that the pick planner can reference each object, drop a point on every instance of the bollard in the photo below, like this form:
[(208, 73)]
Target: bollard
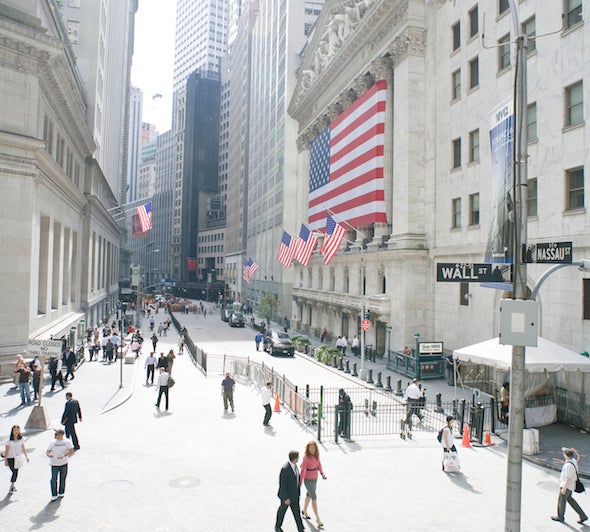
[(347, 369), (336, 411), (307, 391), (335, 362), (438, 408), (462, 416), (398, 387), (388, 388), (493, 415), (354, 372), (370, 379), (341, 366), (379, 383)]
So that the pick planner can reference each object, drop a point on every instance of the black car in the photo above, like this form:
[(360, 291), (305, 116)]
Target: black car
[(278, 343), (236, 319)]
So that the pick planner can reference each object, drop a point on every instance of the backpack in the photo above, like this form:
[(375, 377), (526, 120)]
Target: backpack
[(439, 436), (52, 366)]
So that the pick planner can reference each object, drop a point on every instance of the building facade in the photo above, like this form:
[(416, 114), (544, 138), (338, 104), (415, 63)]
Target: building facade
[(443, 82), (134, 144)]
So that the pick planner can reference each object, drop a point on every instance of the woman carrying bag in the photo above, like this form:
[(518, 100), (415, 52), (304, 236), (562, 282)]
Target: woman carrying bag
[(13, 454)]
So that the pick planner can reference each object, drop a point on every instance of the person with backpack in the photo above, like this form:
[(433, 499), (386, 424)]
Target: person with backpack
[(445, 437), (567, 486)]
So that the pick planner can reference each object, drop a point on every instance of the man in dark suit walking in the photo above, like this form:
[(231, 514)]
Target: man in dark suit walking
[(72, 413), (289, 492)]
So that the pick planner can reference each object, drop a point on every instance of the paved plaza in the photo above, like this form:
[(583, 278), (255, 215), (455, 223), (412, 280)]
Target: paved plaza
[(196, 468)]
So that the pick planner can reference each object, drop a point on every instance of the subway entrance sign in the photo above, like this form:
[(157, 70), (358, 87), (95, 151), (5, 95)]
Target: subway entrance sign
[(455, 272)]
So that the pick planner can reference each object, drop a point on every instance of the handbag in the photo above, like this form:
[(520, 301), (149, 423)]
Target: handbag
[(451, 462), (171, 382), (19, 461), (579, 487)]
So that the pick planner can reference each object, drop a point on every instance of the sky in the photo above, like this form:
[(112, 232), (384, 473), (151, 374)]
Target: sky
[(153, 59)]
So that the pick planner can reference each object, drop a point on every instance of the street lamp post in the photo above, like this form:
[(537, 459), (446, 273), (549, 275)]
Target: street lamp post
[(389, 328)]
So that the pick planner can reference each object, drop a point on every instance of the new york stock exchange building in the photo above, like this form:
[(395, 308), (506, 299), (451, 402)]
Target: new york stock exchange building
[(425, 77)]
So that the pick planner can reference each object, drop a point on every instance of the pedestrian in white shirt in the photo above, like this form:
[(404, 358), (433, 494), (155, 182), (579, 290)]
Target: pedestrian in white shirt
[(414, 396), (344, 344), (567, 484), (150, 365), (163, 388), (59, 451), (266, 396)]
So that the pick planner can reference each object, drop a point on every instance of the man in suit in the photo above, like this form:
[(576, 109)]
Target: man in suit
[(72, 413), (289, 492)]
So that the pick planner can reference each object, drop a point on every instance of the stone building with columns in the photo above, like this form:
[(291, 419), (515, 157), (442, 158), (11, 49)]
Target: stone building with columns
[(443, 81)]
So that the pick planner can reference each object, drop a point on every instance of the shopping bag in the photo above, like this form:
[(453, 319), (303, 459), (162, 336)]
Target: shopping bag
[(451, 462)]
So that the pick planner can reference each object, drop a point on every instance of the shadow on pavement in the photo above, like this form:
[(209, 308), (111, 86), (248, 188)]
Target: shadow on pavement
[(460, 480), (46, 515)]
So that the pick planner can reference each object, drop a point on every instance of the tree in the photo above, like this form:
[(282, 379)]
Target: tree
[(267, 306)]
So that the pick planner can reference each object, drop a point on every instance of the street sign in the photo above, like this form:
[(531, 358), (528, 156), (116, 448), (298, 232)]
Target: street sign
[(451, 272), (45, 348), (550, 253), (430, 348), (365, 324)]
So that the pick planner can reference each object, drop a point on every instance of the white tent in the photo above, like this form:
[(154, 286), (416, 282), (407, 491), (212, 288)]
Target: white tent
[(547, 356)]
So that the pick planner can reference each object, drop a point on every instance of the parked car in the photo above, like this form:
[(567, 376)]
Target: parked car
[(278, 343), (236, 319)]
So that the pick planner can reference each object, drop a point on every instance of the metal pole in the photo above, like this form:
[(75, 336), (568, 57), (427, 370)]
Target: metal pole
[(516, 422), (363, 371)]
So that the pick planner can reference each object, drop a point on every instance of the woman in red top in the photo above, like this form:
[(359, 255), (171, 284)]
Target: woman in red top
[(310, 466)]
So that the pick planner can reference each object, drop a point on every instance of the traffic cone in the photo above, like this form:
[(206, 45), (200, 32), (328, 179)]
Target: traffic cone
[(466, 440), (488, 440), (277, 403)]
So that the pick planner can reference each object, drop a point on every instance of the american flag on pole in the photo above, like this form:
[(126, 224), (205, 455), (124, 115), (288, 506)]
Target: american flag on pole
[(334, 235), (346, 164), (144, 213), (305, 245), (286, 249), (250, 268)]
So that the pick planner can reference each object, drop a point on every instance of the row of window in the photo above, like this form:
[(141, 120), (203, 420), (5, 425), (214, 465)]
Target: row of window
[(56, 146)]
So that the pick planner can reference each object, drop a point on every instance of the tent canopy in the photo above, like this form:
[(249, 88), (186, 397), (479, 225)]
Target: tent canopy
[(547, 356)]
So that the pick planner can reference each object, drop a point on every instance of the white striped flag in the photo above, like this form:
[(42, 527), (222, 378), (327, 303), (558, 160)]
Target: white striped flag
[(346, 164), (144, 213), (334, 235), (286, 248), (250, 268), (305, 245)]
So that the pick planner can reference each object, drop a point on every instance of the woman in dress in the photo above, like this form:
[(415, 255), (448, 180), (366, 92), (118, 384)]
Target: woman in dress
[(15, 446), (310, 467)]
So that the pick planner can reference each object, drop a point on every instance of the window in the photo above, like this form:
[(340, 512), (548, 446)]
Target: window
[(456, 221), (474, 72), (574, 101), (503, 6), (457, 153), (474, 146), (473, 209), (504, 52), (575, 189), (464, 294), (531, 121), (574, 12), (473, 21), (73, 31), (529, 28), (456, 81), (456, 35), (532, 194), (586, 292)]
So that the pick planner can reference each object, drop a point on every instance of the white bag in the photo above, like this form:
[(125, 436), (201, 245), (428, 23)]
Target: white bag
[(451, 462), (19, 461)]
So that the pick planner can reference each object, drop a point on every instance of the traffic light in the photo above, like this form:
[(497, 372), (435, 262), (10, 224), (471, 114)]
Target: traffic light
[(367, 314)]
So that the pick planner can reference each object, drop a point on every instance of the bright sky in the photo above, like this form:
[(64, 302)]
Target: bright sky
[(153, 59)]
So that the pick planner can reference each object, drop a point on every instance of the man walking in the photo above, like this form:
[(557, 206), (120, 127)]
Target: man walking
[(59, 451), (163, 379), (70, 360), (72, 413), (289, 492), (227, 391), (567, 484), (266, 396), (55, 366), (150, 364), (414, 396), (258, 340)]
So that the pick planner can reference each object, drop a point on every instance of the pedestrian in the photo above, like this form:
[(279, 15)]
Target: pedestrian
[(355, 346), (160, 329), (70, 360), (72, 414), (20, 361), (180, 344), (339, 343), (55, 370), (154, 341), (266, 396), (150, 365), (109, 349), (414, 397), (228, 386), (288, 494), (170, 359), (450, 363), (162, 362), (344, 344), (505, 402), (447, 440), (258, 340), (24, 378), (135, 346), (310, 467), (116, 340), (163, 380), (36, 380), (59, 450), (13, 454), (323, 335), (344, 409), (567, 484)]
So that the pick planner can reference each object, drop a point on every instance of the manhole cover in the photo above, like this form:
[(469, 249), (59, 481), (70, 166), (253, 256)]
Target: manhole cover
[(185, 482), (116, 485)]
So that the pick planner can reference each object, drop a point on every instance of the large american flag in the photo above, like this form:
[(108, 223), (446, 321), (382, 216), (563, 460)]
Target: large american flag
[(334, 235), (286, 249), (250, 268), (346, 164), (305, 245), (144, 213)]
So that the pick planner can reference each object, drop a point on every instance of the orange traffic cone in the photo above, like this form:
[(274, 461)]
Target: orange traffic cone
[(488, 440), (277, 403), (466, 442)]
